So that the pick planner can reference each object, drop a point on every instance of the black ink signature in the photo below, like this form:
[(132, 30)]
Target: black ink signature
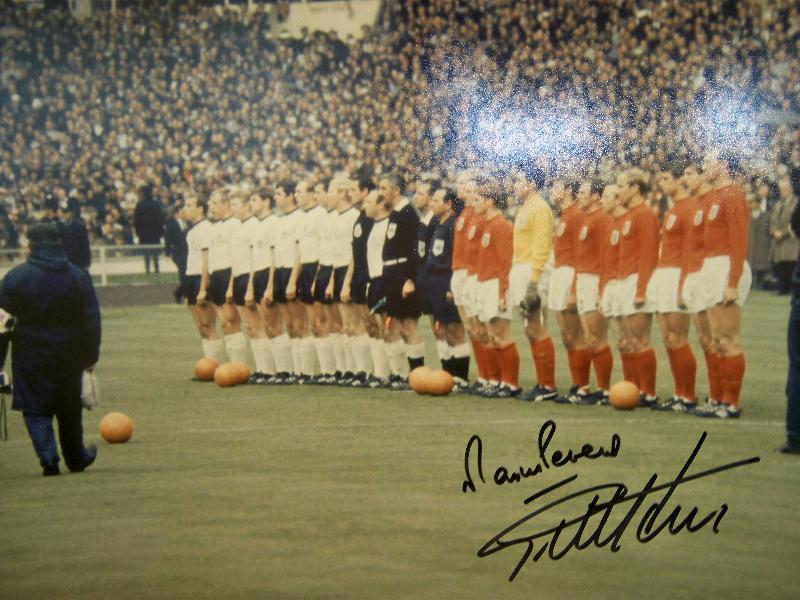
[(502, 475), (582, 539)]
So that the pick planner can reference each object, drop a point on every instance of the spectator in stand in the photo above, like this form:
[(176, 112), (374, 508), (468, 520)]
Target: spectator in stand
[(74, 236), (175, 247), (148, 219), (758, 243), (785, 246)]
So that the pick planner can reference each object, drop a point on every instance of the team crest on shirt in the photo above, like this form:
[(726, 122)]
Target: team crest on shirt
[(712, 214), (460, 223), (561, 228), (471, 232), (486, 239), (438, 247), (698, 217), (626, 228), (614, 237), (421, 248), (584, 232), (357, 230), (391, 230), (670, 222)]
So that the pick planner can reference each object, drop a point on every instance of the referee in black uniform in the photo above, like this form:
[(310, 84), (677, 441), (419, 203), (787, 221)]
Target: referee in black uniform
[(401, 262)]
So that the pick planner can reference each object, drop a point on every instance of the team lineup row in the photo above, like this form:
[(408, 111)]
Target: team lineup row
[(338, 273)]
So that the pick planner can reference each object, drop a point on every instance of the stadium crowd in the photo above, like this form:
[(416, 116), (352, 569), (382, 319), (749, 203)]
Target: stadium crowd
[(176, 92)]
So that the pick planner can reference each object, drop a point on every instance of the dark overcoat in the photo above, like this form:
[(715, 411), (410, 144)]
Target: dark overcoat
[(57, 332)]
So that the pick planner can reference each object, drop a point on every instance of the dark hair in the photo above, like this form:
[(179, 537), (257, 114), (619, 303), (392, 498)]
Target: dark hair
[(396, 181), (44, 236), (451, 198), (288, 186), (365, 182), (642, 184), (202, 203), (435, 184), (490, 188), (598, 186), (533, 174), (733, 164), (266, 195), (573, 187)]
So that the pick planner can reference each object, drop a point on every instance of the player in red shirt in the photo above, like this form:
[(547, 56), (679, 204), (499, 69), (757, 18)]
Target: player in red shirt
[(673, 318), (690, 286), (491, 304), (638, 259), (561, 294), (590, 249), (726, 279)]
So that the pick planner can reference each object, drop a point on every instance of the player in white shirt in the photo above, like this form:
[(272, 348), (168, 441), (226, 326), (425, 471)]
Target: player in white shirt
[(288, 347), (198, 240), (217, 287), (261, 285), (341, 249)]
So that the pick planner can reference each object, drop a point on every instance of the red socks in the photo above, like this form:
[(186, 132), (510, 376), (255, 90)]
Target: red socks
[(646, 368), (508, 357), (580, 364), (684, 371), (714, 380), (731, 372), (544, 359), (603, 362), (630, 372), (493, 372)]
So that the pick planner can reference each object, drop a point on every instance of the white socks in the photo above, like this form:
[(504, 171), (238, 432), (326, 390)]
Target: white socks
[(361, 350), (379, 360), (282, 352), (236, 345), (337, 340), (214, 349), (262, 353), (396, 354), (325, 354), (308, 356)]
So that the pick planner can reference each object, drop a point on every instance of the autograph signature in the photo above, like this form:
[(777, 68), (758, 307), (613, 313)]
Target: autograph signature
[(558, 458), (651, 523)]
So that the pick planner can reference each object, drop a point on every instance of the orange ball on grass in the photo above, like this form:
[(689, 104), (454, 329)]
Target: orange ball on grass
[(624, 395)]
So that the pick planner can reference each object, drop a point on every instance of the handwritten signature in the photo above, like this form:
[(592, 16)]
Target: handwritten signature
[(557, 545), (503, 475)]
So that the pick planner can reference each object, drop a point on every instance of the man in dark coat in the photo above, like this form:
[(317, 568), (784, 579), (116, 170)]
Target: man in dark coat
[(175, 247), (53, 324), (148, 221), (75, 237), (792, 445)]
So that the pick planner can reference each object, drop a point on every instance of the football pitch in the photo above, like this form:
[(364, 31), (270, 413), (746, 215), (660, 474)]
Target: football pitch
[(320, 492)]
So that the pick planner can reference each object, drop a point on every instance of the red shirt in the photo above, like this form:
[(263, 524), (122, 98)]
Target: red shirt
[(460, 238), (639, 246), (473, 243), (726, 228), (566, 237), (496, 251), (610, 266), (592, 241), (673, 234)]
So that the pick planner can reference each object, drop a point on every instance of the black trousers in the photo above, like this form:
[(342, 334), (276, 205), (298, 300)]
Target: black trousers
[(70, 434), (783, 273)]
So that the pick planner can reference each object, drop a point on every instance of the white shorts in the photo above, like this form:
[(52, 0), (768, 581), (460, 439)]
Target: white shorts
[(560, 285), (666, 280), (693, 293), (457, 286), (611, 306), (469, 291), (518, 280), (544, 282), (587, 291), (714, 278), (627, 295), (487, 301)]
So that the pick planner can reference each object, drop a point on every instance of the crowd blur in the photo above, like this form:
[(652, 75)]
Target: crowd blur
[(168, 93)]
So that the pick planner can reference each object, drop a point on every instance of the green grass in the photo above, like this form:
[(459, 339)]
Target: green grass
[(331, 493)]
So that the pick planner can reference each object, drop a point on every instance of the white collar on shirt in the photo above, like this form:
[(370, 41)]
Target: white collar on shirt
[(401, 205)]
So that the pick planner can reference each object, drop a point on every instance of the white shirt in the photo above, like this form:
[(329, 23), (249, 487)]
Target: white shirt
[(326, 237), (264, 234), (219, 254), (375, 247), (198, 239), (288, 235), (313, 224), (242, 246), (342, 238)]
